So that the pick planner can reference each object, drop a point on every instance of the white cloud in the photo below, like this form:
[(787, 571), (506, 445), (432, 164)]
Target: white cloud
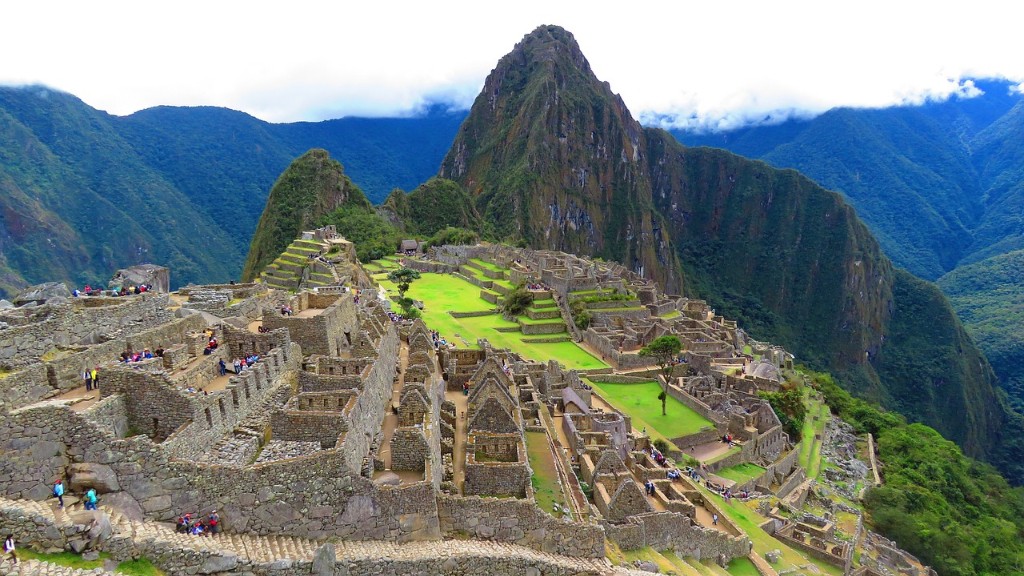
[(704, 63)]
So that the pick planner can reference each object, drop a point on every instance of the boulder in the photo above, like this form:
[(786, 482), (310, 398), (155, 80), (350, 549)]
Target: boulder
[(773, 556), (5, 304), (324, 560), (149, 274), (41, 293), (90, 475), (215, 564)]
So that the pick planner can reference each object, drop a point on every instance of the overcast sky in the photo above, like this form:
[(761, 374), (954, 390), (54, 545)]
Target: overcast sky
[(713, 62)]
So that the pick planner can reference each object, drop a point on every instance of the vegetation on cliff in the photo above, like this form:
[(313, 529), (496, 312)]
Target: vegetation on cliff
[(956, 514), (989, 298)]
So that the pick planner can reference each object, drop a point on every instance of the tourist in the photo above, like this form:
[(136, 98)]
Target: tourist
[(183, 524), (90, 499), (58, 491), (9, 548), (238, 366), (674, 474), (147, 354), (87, 376), (714, 519), (214, 522), (222, 367), (96, 377)]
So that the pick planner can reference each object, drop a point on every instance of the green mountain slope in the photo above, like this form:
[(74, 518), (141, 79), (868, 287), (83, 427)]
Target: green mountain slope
[(80, 202), (431, 207), (552, 157), (989, 297), (313, 186)]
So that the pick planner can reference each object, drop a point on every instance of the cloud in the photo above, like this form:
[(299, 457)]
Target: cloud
[(693, 63)]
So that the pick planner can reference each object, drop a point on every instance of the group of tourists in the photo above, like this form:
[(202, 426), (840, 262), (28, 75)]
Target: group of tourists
[(242, 364), (186, 524), (286, 310), (91, 376), (116, 291), (439, 341)]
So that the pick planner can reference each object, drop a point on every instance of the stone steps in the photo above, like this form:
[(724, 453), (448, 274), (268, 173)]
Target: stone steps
[(257, 549)]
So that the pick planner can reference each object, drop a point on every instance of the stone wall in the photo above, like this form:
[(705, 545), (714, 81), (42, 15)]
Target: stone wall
[(519, 522), (409, 449), (368, 414), (674, 531), (38, 443), (329, 333)]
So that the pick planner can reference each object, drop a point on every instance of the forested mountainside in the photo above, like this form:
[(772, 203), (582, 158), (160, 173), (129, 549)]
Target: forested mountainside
[(941, 185), (83, 193), (553, 158)]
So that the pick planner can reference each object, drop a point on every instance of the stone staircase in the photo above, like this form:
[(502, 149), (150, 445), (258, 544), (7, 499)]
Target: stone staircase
[(255, 550)]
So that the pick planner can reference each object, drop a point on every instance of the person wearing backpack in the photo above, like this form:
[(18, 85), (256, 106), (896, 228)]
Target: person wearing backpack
[(58, 491)]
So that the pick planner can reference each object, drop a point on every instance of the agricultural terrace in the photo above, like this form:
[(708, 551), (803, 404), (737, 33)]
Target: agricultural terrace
[(444, 293), (640, 402)]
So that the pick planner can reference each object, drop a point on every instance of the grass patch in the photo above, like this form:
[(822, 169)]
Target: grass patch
[(640, 402), (742, 567), (532, 322), (547, 490), (442, 293), (670, 314), (68, 559), (140, 567), (741, 473)]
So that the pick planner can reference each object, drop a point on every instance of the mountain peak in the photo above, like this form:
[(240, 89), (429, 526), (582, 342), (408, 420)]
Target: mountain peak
[(548, 43)]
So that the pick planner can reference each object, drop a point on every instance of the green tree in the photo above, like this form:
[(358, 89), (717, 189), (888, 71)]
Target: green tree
[(663, 350), (516, 302), (402, 278)]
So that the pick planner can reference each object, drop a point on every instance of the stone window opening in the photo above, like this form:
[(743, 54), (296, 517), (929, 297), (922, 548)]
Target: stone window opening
[(209, 418), (220, 404)]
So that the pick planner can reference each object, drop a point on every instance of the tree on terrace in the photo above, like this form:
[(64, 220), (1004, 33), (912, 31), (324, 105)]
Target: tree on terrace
[(663, 350)]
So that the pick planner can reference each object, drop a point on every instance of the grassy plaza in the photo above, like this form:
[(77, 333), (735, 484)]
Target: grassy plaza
[(444, 293), (640, 402)]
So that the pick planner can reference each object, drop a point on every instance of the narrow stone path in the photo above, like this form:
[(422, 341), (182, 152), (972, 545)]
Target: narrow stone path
[(390, 418), (266, 550)]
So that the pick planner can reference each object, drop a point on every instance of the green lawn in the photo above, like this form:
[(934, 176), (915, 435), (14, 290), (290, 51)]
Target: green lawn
[(141, 567), (741, 473), (441, 293), (742, 567), (640, 402), (547, 490)]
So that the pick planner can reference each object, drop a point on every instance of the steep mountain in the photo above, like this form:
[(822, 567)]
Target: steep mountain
[(919, 176), (83, 193), (553, 157), (941, 185), (313, 186)]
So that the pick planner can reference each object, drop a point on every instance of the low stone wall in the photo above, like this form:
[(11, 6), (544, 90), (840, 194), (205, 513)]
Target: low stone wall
[(519, 522), (546, 328), (619, 379), (473, 314)]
